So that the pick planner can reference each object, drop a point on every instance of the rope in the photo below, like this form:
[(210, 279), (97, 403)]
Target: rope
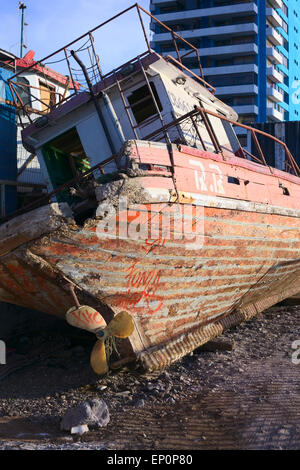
[(110, 347)]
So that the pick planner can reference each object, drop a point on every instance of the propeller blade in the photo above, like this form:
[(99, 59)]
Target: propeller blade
[(85, 317), (98, 358), (121, 325)]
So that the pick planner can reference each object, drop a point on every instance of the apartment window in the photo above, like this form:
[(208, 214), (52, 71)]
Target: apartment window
[(233, 79), (242, 40), (285, 26), (248, 59), (285, 61), (234, 41), (196, 43), (222, 62), (172, 8), (285, 9), (167, 47), (193, 63), (235, 21), (246, 118), (218, 3), (240, 100)]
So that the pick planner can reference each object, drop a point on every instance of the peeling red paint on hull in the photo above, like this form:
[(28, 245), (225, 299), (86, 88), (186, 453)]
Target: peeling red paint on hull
[(169, 291), (179, 296)]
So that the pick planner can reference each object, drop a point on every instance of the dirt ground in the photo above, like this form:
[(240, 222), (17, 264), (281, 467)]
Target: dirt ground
[(247, 398)]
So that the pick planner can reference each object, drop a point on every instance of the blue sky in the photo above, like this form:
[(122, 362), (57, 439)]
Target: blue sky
[(54, 23)]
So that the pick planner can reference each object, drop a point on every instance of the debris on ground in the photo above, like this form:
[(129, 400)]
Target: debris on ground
[(219, 344), (89, 414), (80, 429), (244, 398)]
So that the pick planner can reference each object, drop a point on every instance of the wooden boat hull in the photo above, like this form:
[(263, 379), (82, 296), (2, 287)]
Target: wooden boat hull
[(179, 295)]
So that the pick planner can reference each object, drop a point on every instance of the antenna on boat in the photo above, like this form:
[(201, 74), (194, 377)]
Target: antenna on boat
[(22, 7)]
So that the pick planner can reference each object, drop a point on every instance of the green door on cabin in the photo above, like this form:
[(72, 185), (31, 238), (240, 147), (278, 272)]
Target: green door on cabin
[(65, 159), (59, 170)]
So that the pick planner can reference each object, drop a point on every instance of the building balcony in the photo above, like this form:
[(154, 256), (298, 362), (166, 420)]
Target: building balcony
[(246, 109), (159, 2), (276, 3), (274, 55), (274, 37), (229, 69), (273, 17), (214, 32), (274, 115), (237, 90), (237, 49), (220, 51), (274, 75), (274, 95), (223, 11)]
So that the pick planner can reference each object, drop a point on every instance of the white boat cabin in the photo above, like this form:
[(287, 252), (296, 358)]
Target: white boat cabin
[(136, 101)]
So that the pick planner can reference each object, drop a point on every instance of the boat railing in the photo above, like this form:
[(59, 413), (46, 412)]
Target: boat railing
[(95, 172), (74, 80), (192, 116), (162, 134), (16, 87)]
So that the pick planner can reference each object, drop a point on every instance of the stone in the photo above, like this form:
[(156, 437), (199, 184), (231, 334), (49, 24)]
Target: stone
[(140, 403), (93, 413), (80, 429), (171, 400), (100, 388)]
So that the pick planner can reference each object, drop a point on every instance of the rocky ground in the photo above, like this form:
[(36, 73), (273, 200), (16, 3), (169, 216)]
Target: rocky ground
[(247, 398)]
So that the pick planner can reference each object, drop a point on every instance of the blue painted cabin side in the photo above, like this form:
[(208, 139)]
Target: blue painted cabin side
[(8, 145)]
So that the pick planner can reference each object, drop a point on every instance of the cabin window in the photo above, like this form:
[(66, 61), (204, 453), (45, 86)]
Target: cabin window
[(24, 90), (233, 180), (285, 190), (142, 104), (2, 90), (47, 96)]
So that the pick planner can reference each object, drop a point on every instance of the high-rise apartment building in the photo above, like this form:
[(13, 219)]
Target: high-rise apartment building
[(250, 51)]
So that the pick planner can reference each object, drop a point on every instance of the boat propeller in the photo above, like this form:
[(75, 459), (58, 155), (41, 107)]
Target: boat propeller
[(87, 318)]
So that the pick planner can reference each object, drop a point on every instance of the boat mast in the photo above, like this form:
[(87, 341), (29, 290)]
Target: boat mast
[(22, 7)]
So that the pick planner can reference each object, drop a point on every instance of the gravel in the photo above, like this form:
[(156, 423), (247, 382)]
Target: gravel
[(247, 398)]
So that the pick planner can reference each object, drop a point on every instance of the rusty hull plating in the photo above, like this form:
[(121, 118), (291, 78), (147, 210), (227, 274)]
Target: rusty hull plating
[(189, 171)]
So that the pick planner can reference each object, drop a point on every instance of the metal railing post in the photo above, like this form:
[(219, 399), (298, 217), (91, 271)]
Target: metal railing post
[(70, 70)]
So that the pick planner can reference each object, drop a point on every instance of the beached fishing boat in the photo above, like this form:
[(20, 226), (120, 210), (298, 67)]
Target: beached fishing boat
[(154, 209)]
